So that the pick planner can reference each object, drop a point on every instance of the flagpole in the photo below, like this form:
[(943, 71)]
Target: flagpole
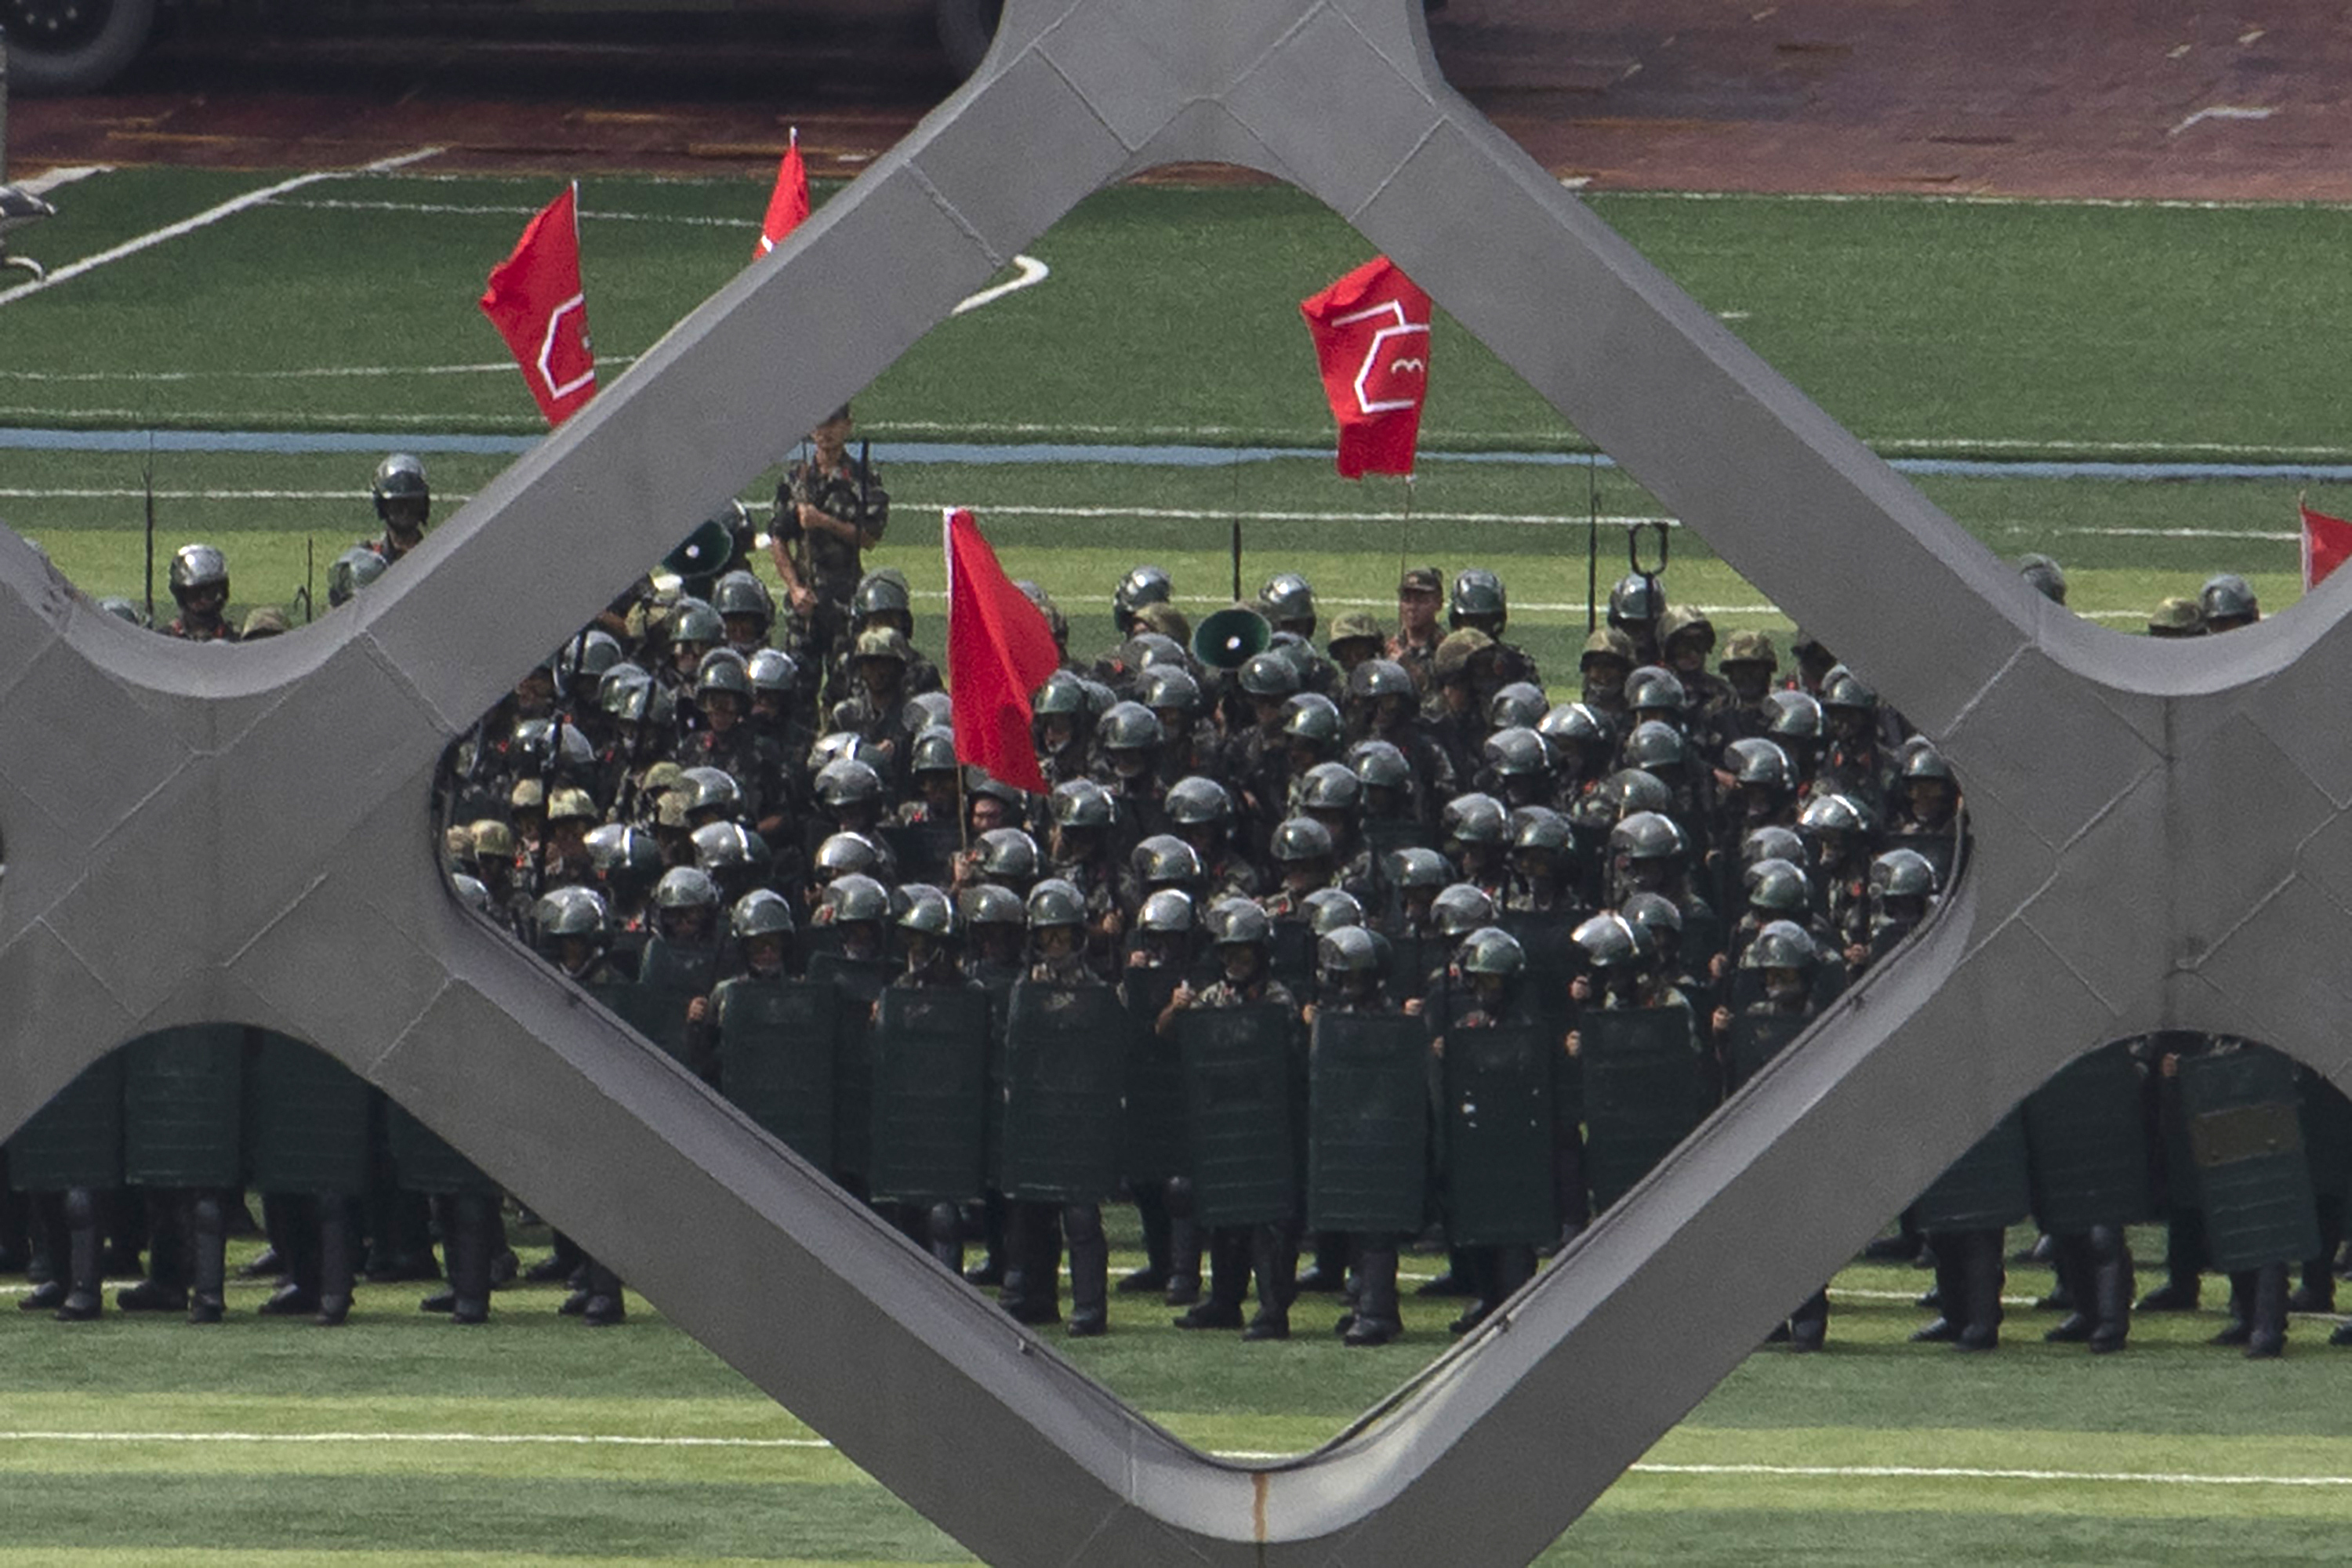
[(1237, 524), (1592, 548)]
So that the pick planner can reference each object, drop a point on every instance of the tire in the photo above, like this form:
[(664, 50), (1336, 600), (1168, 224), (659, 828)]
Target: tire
[(966, 28), (58, 47)]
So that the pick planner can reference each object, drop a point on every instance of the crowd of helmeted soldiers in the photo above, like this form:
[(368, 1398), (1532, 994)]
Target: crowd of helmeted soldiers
[(1307, 952)]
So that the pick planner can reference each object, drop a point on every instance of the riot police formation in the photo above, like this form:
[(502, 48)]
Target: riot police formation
[(1308, 959)]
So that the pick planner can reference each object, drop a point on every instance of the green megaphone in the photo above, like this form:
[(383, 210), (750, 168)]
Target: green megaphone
[(1228, 639)]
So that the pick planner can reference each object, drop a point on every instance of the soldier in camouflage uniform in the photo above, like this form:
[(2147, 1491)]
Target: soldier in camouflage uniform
[(1479, 604), (830, 510), (404, 503), (199, 581), (1414, 647)]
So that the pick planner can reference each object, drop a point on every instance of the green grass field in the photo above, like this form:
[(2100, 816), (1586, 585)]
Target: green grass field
[(1933, 328)]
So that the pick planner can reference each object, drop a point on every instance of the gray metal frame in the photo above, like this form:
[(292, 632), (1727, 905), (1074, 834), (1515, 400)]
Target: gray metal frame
[(2161, 834)]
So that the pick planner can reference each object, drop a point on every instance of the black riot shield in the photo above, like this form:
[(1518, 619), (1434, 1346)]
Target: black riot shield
[(1411, 959), (75, 1139), (423, 1163), (1984, 1189), (776, 1046), (930, 1094), (925, 850), (2245, 1135), (1065, 1050), (1153, 1148), (1756, 1038), (658, 1012), (860, 982), (307, 1120), (2086, 1144), (1498, 1135), (1544, 937), (2327, 1135), (183, 1098), (1293, 957), (1367, 1123), (1238, 1097), (1642, 1093)]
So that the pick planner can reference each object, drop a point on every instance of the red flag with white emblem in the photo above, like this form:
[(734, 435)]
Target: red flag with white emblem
[(788, 203), (1000, 651), (535, 301), (1372, 339), (2327, 543)]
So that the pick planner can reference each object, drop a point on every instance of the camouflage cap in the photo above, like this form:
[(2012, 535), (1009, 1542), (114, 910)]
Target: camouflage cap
[(1421, 580), (268, 621), (1355, 625), (1167, 620), (2177, 616), (1750, 648), (661, 776), (493, 840), (1454, 655), (529, 794), (670, 810), (883, 642), (1608, 642)]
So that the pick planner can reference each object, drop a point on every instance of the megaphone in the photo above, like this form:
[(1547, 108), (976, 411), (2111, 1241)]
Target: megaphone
[(1228, 639), (706, 550)]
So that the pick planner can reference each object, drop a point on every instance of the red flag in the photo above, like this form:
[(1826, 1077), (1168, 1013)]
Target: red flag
[(1371, 338), (788, 203), (535, 301), (2326, 541), (999, 651)]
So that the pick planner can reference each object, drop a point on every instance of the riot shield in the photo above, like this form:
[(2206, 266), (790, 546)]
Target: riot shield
[(2245, 1135), (1984, 1189), (1291, 960), (183, 1098), (2326, 1134), (1367, 1123), (1498, 1135), (656, 1012), (307, 1119), (860, 982), (1544, 937), (423, 1163), (1065, 1050), (1153, 1148), (776, 1046), (75, 1139), (1238, 1096), (2086, 1144), (1756, 1038), (1642, 1093), (930, 1094), (1411, 959), (925, 850)]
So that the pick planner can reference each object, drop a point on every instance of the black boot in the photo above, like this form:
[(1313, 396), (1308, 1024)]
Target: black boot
[(1032, 1282), (1090, 1270), (1951, 1292), (1376, 1319), (559, 1264), (2267, 1337), (2075, 1268), (1273, 1259), (207, 1258), (605, 1305), (467, 1241), (946, 1237), (1980, 1249), (1229, 1261), (2111, 1287), (1808, 1325), (338, 1259), (1183, 1246), (1151, 1213), (2240, 1328)]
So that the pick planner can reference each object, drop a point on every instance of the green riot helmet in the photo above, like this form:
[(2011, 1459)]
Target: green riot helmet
[(1902, 874), (1757, 763), (723, 669), (1330, 787), (1921, 760), (1377, 764), (1478, 601), (1008, 855), (1538, 830), (848, 854), (1491, 950), (1130, 727), (1378, 678), (986, 904), (762, 911), (1635, 601), (1518, 753), (348, 572), (1297, 839), (934, 752), (1416, 868), (1082, 804), (621, 691), (1169, 690), (716, 793), (1781, 945), (570, 912), (1630, 790), (844, 746), (853, 899), (543, 745), (1271, 675), (1349, 957), (122, 609), (1653, 689), (685, 887), (730, 850), (1685, 631), (1474, 818), (848, 781), (1151, 650), (1519, 705), (1141, 586), (1169, 912), (1576, 727), (1647, 836), (1061, 695), (1655, 748), (880, 592), (1460, 909), (1238, 923), (1288, 603), (927, 709), (2045, 576), (1773, 843), (196, 567), (1843, 689), (470, 892), (1165, 860), (695, 622), (1835, 813), (925, 910), (1314, 720), (1055, 902), (742, 594), (591, 656), (625, 859), (774, 673), (1777, 887), (403, 498), (1609, 941), (1793, 717), (1330, 908), (1195, 801), (1654, 914)]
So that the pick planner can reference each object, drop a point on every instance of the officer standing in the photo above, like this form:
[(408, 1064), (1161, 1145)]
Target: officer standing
[(830, 511), (199, 581), (404, 503)]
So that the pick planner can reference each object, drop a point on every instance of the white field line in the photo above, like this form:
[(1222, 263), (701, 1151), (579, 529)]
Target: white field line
[(1645, 1468), (315, 373), (206, 219), (1030, 272), (1960, 199), (49, 180)]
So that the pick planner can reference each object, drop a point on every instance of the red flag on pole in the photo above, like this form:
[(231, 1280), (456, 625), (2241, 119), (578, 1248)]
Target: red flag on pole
[(535, 301), (788, 203), (999, 651), (2326, 542), (1372, 339)]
